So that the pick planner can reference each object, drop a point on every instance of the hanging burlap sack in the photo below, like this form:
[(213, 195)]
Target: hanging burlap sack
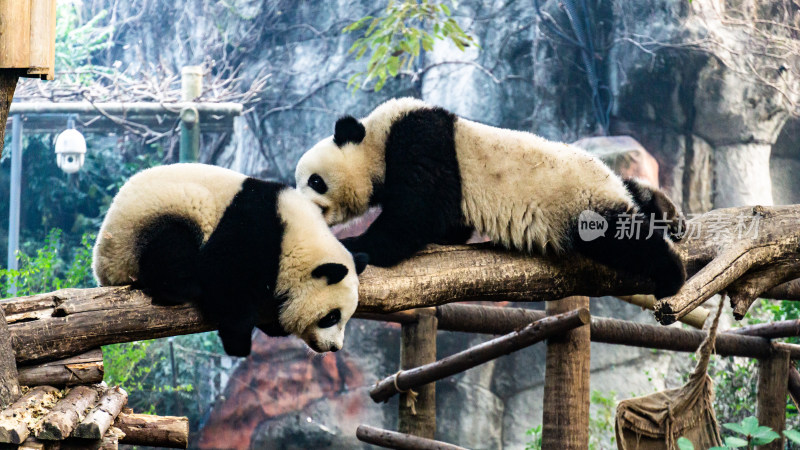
[(656, 421)]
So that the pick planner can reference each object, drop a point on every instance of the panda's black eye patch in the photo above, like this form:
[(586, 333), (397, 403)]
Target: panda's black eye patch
[(316, 183), (330, 319)]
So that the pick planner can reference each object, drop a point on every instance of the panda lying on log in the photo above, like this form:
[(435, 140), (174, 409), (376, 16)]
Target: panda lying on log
[(438, 177), (242, 249)]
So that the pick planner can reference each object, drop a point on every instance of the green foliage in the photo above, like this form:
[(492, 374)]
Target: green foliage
[(749, 432), (536, 438), (792, 435), (601, 424), (394, 39), (76, 42), (47, 270)]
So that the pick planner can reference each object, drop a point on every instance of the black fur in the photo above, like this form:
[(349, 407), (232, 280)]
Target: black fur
[(421, 193), (637, 252), (654, 203), (332, 272), (231, 277), (360, 260), (348, 129)]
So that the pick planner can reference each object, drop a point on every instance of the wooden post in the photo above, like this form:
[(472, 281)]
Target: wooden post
[(773, 382), (191, 87), (8, 83), (565, 421), (418, 347), (9, 384)]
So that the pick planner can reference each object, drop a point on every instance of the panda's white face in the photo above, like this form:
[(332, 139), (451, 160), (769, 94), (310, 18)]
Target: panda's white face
[(338, 173), (317, 275), (325, 177)]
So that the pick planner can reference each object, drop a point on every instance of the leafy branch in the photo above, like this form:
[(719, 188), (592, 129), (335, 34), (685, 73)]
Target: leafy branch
[(395, 39)]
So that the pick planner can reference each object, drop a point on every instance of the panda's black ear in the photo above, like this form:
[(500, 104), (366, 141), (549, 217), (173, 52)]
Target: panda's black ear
[(361, 260), (334, 272), (348, 129)]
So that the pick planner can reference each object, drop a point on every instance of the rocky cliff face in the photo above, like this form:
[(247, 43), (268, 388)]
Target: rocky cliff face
[(683, 84)]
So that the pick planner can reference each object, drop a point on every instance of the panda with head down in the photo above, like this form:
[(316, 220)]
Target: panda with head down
[(244, 250), (438, 177)]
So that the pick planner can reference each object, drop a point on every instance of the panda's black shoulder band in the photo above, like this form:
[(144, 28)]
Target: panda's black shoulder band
[(348, 129)]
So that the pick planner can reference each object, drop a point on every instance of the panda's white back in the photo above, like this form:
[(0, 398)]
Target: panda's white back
[(198, 192), (522, 190)]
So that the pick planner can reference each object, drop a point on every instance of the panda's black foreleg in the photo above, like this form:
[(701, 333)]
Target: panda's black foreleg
[(393, 238), (629, 245), (236, 335)]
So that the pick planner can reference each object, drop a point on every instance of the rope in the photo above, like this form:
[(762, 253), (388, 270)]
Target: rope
[(411, 395)]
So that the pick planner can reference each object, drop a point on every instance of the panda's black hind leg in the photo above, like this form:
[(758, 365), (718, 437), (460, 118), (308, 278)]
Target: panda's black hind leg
[(635, 250), (168, 255)]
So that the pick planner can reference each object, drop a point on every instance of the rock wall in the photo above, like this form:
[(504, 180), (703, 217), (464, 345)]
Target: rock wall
[(714, 131)]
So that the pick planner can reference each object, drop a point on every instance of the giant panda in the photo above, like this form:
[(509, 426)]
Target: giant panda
[(438, 177), (242, 249)]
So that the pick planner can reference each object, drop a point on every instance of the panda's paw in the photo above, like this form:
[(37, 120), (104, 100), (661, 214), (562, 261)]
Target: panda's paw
[(236, 341), (677, 227)]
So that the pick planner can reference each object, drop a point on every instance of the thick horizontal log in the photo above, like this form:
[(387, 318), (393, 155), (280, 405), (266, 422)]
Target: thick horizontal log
[(64, 417), (15, 419), (86, 368), (100, 418), (72, 321), (479, 354), (781, 329), (153, 431), (69, 322), (392, 439)]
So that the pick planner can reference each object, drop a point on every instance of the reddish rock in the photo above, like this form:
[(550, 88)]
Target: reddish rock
[(280, 376), (624, 154)]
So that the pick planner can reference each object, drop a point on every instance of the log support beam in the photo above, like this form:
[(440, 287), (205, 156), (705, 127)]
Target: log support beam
[(773, 382), (565, 419), (9, 387), (479, 354), (418, 348)]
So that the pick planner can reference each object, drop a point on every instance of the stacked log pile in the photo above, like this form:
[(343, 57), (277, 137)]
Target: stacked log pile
[(84, 416)]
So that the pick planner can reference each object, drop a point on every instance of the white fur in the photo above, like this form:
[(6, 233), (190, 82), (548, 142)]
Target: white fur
[(308, 243), (351, 171), (519, 189), (201, 193), (522, 190), (196, 191)]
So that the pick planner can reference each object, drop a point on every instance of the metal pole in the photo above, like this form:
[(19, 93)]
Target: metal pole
[(16, 180), (191, 87)]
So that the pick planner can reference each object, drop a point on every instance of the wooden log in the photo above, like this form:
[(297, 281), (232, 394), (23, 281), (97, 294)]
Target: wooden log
[(565, 416), (79, 320), (794, 385), (499, 320), (153, 431), (64, 417), (8, 84), (772, 389), (417, 407), (100, 418), (696, 318), (479, 354), (780, 329), (391, 439), (435, 276), (9, 386), (15, 419), (86, 368)]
